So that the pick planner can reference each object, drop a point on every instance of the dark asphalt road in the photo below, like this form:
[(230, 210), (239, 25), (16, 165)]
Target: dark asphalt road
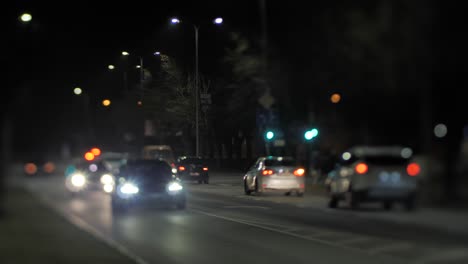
[(220, 228)]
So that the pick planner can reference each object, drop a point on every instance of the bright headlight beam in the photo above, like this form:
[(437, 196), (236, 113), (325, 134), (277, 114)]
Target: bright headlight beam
[(174, 187), (129, 188), (108, 188), (78, 180), (107, 179)]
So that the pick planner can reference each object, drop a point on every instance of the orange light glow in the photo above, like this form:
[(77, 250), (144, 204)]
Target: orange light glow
[(267, 172), (139, 103), (49, 167), (89, 156), (205, 168), (106, 102), (96, 151), (299, 172), (181, 168), (30, 168), (361, 168), (413, 169), (335, 98)]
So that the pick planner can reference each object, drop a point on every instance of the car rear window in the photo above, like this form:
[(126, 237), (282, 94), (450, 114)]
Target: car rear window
[(386, 160), (192, 161), (284, 162)]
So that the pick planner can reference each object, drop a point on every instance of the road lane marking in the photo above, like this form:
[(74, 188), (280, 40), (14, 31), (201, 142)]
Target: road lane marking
[(320, 241), (449, 255), (246, 207), (354, 240), (84, 226), (391, 247)]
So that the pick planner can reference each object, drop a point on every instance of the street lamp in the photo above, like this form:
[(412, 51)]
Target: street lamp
[(111, 67), (125, 53), (217, 21), (26, 17), (77, 91), (106, 102), (157, 53)]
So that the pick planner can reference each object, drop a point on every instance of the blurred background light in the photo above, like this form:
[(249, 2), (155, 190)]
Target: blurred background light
[(440, 130)]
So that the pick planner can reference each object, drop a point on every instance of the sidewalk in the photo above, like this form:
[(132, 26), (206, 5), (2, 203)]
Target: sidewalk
[(32, 233)]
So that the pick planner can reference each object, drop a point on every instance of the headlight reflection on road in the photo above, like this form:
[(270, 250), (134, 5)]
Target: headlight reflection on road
[(129, 188), (174, 187), (108, 188)]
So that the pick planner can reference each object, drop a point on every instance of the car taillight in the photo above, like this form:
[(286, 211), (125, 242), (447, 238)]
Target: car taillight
[(413, 169), (361, 168), (181, 168), (205, 168), (299, 172), (267, 172)]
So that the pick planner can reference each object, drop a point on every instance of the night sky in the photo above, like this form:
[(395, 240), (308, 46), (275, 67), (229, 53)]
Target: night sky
[(70, 44)]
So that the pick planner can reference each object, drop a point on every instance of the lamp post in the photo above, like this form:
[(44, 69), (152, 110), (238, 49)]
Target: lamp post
[(217, 21)]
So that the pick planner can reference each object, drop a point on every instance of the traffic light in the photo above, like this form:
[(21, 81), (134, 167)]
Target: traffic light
[(269, 135), (311, 134)]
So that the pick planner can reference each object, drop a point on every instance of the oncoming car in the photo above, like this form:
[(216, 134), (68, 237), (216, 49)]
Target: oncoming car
[(374, 174), (275, 174), (89, 176), (147, 181)]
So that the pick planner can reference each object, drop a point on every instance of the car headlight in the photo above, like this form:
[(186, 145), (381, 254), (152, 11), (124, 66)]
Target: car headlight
[(129, 188), (108, 188), (107, 179), (78, 180), (174, 187)]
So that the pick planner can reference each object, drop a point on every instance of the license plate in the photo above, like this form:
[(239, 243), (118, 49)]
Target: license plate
[(389, 177), (194, 174)]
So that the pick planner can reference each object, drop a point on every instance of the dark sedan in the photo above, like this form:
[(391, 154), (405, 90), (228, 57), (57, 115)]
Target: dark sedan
[(147, 181), (192, 169)]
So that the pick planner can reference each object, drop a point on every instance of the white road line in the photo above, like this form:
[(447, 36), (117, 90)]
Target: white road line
[(354, 240), (391, 247), (84, 226), (444, 256), (246, 206), (320, 241)]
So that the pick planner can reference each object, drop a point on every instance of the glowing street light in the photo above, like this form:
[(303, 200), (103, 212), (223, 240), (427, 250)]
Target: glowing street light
[(26, 17), (218, 20), (111, 67), (77, 91), (157, 53), (138, 66), (125, 53), (106, 102), (335, 98)]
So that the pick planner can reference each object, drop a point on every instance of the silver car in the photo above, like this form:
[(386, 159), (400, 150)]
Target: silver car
[(370, 174), (275, 174)]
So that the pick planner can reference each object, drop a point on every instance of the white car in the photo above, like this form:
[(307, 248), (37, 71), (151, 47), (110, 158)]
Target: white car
[(374, 174), (275, 174)]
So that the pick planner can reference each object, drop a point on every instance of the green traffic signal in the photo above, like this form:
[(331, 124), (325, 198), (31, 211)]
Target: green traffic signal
[(269, 135), (310, 134)]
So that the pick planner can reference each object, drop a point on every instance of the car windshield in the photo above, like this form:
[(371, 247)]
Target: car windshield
[(160, 154), (145, 169), (192, 161), (282, 162), (385, 160)]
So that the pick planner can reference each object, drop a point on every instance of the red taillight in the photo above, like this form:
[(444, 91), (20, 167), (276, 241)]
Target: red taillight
[(413, 169), (267, 172), (181, 168), (361, 168), (299, 172), (205, 168)]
